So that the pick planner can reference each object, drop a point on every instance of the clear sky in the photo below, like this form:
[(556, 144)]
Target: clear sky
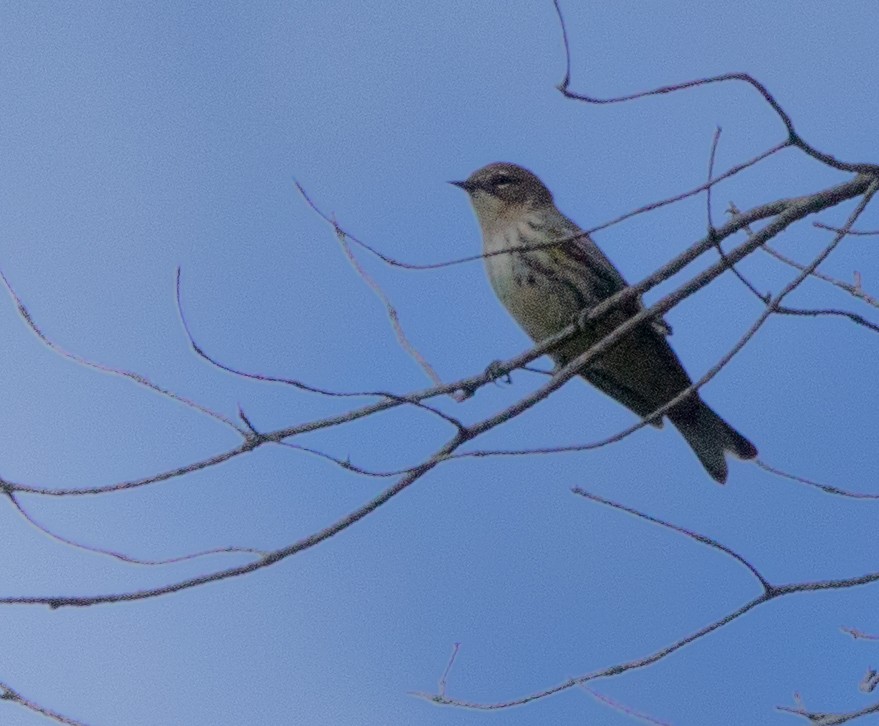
[(136, 137)]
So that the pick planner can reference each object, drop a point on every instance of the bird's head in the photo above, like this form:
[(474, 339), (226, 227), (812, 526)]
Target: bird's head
[(501, 189)]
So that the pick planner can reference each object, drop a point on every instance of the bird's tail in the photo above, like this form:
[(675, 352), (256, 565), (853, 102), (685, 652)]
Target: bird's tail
[(710, 436)]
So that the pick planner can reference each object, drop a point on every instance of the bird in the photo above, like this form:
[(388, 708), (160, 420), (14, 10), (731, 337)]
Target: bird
[(545, 287)]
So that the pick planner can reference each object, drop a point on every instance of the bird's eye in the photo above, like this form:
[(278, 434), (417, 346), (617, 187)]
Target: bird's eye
[(502, 180)]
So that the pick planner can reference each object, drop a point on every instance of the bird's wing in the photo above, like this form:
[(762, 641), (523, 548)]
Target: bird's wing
[(609, 277)]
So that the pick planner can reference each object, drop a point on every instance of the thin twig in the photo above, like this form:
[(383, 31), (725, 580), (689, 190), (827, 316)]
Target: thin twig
[(271, 558), (711, 157), (852, 232), (387, 259), (393, 316), (786, 212), (441, 686), (770, 592), (771, 307), (859, 634), (8, 693), (829, 719), (701, 538), (794, 137), (391, 397), (826, 488), (345, 463), (622, 708), (120, 556), (204, 355), (830, 312), (854, 290), (139, 379)]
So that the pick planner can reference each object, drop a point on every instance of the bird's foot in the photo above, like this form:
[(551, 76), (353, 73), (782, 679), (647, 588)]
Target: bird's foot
[(495, 371), (582, 321)]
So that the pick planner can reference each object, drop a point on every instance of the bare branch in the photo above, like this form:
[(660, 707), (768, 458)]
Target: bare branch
[(854, 290), (345, 463), (394, 317), (204, 355), (852, 232), (794, 138), (829, 719), (859, 634), (605, 672), (441, 686), (10, 486), (701, 538), (826, 488), (120, 556), (786, 212), (832, 312), (139, 379), (296, 383), (711, 157), (555, 243), (271, 558), (8, 693), (622, 708), (688, 288), (770, 592)]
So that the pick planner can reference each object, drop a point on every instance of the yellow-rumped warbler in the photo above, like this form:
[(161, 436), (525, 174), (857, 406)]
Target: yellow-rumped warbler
[(545, 290)]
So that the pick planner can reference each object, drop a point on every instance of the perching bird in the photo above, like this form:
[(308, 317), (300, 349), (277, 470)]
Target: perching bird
[(546, 289)]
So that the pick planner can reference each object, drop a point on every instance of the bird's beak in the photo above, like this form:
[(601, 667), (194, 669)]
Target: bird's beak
[(465, 185)]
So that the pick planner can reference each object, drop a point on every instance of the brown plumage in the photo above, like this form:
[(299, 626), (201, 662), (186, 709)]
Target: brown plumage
[(545, 289)]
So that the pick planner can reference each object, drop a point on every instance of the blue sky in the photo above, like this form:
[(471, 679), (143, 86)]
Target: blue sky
[(136, 138)]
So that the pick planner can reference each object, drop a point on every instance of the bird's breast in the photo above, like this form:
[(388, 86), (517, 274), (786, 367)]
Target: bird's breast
[(541, 295)]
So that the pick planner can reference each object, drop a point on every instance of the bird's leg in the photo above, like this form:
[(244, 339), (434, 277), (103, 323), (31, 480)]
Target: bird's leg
[(496, 371), (582, 321)]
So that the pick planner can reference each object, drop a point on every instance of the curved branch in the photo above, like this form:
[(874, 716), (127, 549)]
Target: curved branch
[(139, 379), (794, 138), (665, 304), (555, 243), (786, 212), (271, 558), (701, 538), (204, 355), (770, 592), (854, 290), (852, 232), (829, 312), (475, 430), (393, 316), (826, 488), (8, 693), (747, 283), (119, 555), (830, 719)]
